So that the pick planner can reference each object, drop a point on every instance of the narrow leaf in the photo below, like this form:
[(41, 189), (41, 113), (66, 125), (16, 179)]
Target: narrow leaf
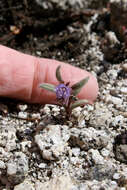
[(79, 103), (58, 75), (47, 86), (78, 86)]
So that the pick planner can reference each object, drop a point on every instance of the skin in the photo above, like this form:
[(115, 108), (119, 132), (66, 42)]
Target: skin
[(21, 75)]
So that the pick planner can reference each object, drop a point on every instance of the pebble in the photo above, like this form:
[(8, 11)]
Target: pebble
[(116, 176), (42, 165), (101, 172), (121, 152), (52, 141), (123, 90), (112, 74), (58, 183), (76, 151), (96, 157), (22, 107), (105, 152), (114, 100), (111, 37), (101, 117), (87, 138), (17, 167), (118, 120), (22, 115), (8, 138), (26, 185), (2, 165), (25, 145), (124, 67), (77, 111)]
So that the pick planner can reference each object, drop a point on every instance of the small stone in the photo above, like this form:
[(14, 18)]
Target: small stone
[(42, 165), (38, 53), (123, 188), (36, 116), (101, 117), (116, 176), (17, 168), (124, 67), (76, 151), (123, 90), (114, 183), (46, 109), (22, 107), (25, 145), (101, 172), (96, 157), (124, 114), (8, 137), (115, 100), (26, 185), (2, 165), (57, 183), (118, 120), (88, 138), (111, 37), (52, 141), (105, 152), (22, 115), (120, 147), (77, 111), (112, 74)]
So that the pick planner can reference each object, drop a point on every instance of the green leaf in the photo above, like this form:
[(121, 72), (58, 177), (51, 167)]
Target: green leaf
[(79, 103), (58, 75), (47, 86), (78, 86)]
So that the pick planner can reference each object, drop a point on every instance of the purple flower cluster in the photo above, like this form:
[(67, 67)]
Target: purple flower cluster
[(63, 92), (65, 95)]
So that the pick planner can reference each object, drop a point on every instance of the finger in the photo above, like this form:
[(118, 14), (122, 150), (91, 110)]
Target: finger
[(21, 75)]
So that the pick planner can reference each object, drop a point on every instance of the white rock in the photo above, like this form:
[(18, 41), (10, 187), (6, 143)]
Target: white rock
[(25, 145), (55, 138), (58, 183), (46, 109), (17, 167), (123, 90), (76, 151), (105, 152), (116, 176), (115, 100), (8, 137), (77, 111), (84, 138), (119, 119), (42, 165), (22, 115), (26, 185), (112, 74), (124, 67), (95, 155), (38, 53), (112, 38), (22, 107), (2, 165)]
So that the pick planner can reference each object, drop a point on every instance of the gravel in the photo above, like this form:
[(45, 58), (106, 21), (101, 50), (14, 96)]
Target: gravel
[(40, 149)]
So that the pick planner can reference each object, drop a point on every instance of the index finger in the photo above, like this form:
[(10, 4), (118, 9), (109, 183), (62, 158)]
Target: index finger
[(21, 75)]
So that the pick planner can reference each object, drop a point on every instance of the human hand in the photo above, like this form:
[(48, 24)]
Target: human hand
[(21, 75)]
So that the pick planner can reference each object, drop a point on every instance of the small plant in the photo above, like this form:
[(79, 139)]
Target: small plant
[(66, 95)]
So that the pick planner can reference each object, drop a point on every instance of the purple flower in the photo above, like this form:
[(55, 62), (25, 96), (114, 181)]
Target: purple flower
[(63, 92)]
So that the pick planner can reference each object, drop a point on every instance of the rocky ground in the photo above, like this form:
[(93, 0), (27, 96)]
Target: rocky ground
[(39, 148)]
